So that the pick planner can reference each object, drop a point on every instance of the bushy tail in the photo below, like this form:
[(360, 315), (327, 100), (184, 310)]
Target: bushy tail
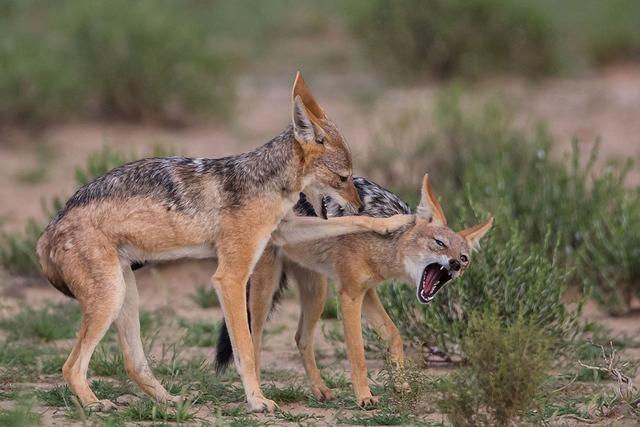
[(224, 350)]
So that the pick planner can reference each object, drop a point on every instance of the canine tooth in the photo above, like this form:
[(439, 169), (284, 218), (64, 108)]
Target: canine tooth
[(442, 267)]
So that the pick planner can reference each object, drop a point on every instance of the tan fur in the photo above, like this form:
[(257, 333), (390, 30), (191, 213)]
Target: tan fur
[(90, 247), (358, 263)]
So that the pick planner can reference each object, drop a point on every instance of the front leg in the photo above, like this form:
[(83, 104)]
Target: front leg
[(380, 321), (237, 255), (351, 308), (297, 229)]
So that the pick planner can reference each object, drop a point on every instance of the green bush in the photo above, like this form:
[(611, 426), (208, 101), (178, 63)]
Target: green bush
[(558, 221), (508, 365), (513, 276), (449, 37), (446, 38), (147, 59), (611, 261)]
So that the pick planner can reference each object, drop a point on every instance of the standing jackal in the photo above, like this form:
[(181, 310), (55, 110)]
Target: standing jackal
[(166, 208), (426, 253)]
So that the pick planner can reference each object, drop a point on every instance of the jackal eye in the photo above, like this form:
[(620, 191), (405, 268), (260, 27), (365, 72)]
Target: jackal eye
[(464, 258), (343, 178), (440, 243)]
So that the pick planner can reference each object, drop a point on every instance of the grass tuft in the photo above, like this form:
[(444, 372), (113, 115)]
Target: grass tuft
[(206, 297)]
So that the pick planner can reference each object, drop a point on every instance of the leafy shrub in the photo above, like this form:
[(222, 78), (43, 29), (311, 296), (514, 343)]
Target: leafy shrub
[(484, 164), (509, 172), (444, 37), (611, 260), (507, 367), (146, 59), (512, 276), (18, 249)]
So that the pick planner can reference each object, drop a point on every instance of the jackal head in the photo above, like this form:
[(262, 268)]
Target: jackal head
[(328, 168), (434, 254)]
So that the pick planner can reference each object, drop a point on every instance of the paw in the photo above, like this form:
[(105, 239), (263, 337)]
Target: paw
[(322, 392), (262, 404), (101, 406), (173, 400), (368, 402), (393, 223)]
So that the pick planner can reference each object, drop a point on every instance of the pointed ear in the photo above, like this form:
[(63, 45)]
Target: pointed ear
[(429, 207), (303, 128), (474, 234), (300, 89)]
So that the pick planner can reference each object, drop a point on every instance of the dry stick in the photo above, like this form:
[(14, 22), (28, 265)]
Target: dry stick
[(625, 389)]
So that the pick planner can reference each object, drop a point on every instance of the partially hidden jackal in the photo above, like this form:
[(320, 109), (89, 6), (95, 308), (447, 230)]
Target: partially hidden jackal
[(427, 253), (159, 209)]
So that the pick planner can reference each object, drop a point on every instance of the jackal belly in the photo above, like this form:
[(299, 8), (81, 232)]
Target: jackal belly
[(130, 253)]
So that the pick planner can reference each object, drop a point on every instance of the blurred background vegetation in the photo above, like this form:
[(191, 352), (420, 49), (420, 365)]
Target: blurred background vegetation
[(503, 102), (174, 60)]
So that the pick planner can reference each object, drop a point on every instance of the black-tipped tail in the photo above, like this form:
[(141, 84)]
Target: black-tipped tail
[(224, 349)]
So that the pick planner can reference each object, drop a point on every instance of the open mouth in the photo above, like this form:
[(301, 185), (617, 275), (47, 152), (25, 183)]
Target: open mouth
[(434, 277)]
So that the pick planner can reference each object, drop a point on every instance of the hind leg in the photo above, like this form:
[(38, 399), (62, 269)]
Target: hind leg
[(313, 294), (101, 295), (135, 361), (262, 286)]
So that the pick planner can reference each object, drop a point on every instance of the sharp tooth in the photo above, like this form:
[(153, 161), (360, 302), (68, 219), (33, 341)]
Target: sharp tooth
[(442, 267)]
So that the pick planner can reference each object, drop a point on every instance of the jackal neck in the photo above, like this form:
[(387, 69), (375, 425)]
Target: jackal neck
[(275, 168)]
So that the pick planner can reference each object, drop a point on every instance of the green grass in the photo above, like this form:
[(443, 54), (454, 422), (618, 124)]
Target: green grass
[(22, 415), (200, 334), (206, 297), (49, 323), (378, 419), (290, 394), (296, 418), (108, 361)]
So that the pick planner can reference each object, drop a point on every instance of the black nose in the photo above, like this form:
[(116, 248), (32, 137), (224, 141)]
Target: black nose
[(455, 264)]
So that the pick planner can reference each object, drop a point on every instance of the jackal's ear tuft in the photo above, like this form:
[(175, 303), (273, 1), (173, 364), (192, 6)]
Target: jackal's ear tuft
[(429, 207), (300, 89), (474, 234)]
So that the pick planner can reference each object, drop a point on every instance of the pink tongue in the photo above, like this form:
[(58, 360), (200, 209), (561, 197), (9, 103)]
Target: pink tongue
[(429, 280)]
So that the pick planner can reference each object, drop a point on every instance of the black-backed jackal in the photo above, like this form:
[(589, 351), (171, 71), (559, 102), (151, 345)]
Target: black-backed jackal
[(166, 208), (427, 253)]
